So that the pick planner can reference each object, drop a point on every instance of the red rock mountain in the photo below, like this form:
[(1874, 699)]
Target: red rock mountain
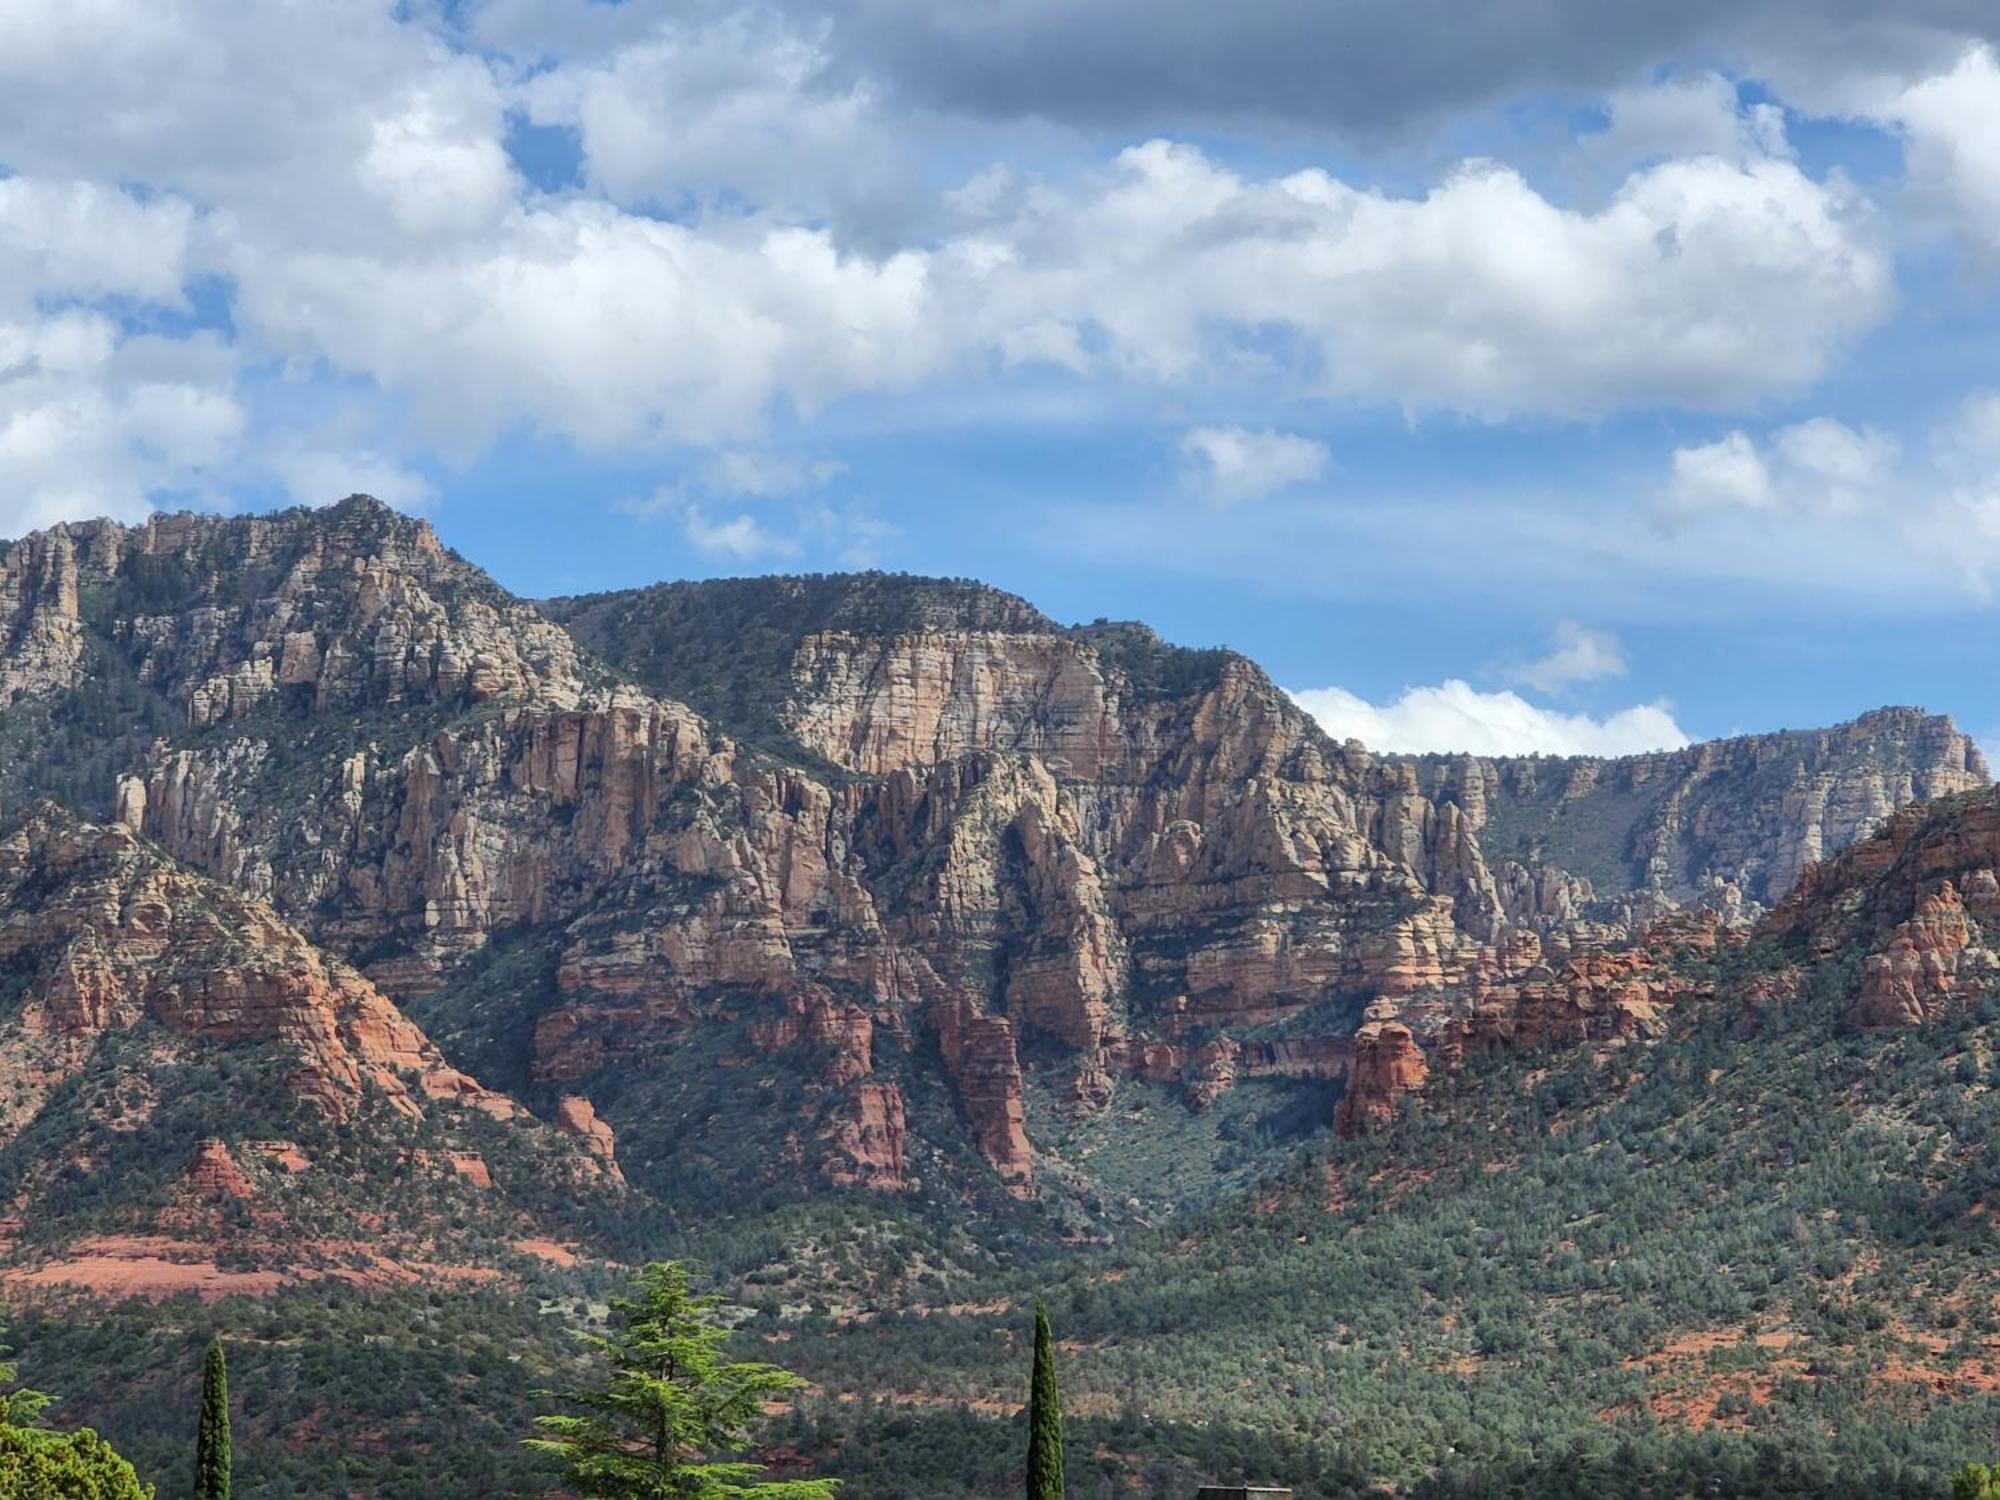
[(176, 1058), (860, 881)]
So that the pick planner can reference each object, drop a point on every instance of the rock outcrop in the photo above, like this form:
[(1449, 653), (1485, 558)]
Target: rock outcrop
[(1920, 901), (1388, 1068)]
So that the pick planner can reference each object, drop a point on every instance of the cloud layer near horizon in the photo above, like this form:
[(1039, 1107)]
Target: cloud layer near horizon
[(1455, 718)]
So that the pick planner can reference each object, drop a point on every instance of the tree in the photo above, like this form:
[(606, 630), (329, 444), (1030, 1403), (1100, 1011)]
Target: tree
[(1045, 1434), (1976, 1482), (211, 1441), (17, 1408), (39, 1464), (673, 1412)]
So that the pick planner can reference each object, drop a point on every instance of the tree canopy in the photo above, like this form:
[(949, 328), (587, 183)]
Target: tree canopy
[(673, 1414)]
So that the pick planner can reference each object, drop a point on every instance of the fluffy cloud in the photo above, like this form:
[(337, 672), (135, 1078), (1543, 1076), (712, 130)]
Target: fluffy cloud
[(319, 475), (1820, 466), (1702, 283), (352, 162), (766, 472), (1237, 463), (739, 538), (94, 420), (1457, 718), (731, 109), (1575, 654), (1693, 115), (92, 424), (77, 239), (1951, 125), (606, 327), (797, 515)]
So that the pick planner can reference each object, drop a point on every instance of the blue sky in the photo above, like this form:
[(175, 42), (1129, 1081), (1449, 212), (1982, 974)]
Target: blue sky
[(1502, 380)]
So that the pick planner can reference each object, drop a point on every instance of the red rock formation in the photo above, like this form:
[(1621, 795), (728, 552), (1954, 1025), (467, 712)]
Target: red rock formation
[(1388, 1067), (1917, 899), (577, 1118), (980, 1056), (1919, 972), (214, 1174), (866, 1139), (1026, 841), (118, 935)]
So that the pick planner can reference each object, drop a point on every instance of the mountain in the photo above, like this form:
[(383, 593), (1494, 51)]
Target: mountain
[(878, 941), (930, 874)]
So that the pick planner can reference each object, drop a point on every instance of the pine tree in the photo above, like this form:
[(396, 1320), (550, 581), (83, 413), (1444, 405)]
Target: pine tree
[(1045, 1435), (211, 1443), (673, 1412)]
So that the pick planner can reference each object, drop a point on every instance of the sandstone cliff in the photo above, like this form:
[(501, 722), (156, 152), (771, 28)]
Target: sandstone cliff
[(1728, 825), (810, 845)]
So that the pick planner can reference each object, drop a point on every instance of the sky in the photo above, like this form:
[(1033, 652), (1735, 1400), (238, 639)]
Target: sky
[(1504, 375)]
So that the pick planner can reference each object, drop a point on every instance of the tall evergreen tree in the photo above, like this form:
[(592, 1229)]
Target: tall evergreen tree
[(1045, 1434), (211, 1442), (674, 1411)]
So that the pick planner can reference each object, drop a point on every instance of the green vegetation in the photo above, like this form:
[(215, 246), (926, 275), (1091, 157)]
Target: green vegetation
[(1045, 1422), (672, 1413), (1154, 668), (1976, 1482), (211, 1444), (37, 1463)]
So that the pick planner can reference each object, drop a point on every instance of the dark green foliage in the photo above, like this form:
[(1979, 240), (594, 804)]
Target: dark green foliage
[(671, 1413), (1476, 1303), (1153, 668), (1045, 1422), (38, 1465), (211, 1444)]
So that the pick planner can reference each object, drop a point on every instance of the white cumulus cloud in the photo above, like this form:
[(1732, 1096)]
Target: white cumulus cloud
[(1951, 128), (1456, 718), (1239, 463)]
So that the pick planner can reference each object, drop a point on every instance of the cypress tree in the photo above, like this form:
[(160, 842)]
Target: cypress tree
[(1045, 1435), (211, 1443)]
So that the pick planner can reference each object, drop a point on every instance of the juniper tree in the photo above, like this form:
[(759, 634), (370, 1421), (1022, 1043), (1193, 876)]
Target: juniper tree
[(211, 1441), (672, 1414), (1045, 1435)]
